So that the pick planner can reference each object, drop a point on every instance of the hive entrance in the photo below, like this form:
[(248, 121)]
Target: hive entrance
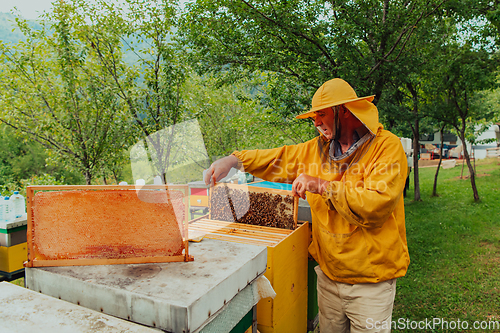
[(253, 205)]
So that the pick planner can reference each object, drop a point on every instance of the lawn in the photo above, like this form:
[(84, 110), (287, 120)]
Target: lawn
[(454, 248)]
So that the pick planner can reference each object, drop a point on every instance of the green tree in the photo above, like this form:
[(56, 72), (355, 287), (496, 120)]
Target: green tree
[(465, 70), (54, 91), (305, 43), (9, 32), (232, 117), (23, 158), (377, 46), (405, 101), (152, 87)]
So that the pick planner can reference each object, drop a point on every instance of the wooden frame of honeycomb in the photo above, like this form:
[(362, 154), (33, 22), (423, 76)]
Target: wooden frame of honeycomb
[(253, 205), (111, 224)]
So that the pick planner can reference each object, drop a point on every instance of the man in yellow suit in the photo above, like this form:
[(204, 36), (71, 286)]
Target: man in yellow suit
[(354, 173)]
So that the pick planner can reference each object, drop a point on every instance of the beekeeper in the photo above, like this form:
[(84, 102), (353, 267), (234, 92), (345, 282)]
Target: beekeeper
[(354, 174)]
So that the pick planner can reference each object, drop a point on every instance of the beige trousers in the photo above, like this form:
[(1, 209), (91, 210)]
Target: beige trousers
[(364, 307)]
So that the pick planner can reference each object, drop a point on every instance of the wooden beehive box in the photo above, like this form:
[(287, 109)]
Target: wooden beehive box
[(13, 248), (286, 242)]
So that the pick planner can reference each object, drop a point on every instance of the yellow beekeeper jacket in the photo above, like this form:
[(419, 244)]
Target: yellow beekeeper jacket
[(358, 225)]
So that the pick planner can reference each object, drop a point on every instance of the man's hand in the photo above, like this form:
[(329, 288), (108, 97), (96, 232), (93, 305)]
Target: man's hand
[(220, 168), (308, 183)]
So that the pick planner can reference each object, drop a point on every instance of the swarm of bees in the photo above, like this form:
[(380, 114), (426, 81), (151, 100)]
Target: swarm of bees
[(256, 208)]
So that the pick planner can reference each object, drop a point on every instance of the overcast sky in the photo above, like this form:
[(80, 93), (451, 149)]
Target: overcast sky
[(30, 9)]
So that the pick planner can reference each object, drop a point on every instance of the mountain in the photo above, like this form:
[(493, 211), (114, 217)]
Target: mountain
[(7, 25), (9, 33)]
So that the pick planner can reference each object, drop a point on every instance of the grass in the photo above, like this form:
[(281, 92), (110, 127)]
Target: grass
[(454, 246), (19, 282)]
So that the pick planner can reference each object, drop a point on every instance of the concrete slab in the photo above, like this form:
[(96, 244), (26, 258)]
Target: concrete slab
[(26, 311), (176, 297), (448, 164)]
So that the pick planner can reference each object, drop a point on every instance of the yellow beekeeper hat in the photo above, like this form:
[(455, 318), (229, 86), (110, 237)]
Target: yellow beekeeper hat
[(336, 92)]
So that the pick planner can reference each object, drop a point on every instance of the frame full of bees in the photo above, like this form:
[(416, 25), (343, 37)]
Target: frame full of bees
[(254, 205)]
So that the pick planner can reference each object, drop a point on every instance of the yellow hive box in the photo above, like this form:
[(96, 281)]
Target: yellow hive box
[(198, 200), (286, 269), (13, 257), (198, 194)]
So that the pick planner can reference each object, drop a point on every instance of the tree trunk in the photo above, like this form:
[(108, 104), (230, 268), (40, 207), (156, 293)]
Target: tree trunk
[(416, 145), (469, 165), (416, 153), (88, 177), (474, 154), (463, 161), (115, 176), (498, 138), (434, 189)]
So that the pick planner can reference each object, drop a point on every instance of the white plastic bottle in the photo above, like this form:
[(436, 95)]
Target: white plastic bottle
[(8, 210), (19, 204)]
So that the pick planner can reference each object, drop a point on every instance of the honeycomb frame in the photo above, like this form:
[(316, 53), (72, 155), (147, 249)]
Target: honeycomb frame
[(104, 257), (275, 197)]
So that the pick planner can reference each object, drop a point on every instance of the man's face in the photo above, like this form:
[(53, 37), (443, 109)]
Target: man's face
[(325, 121)]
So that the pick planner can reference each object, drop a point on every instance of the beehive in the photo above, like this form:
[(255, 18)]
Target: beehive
[(13, 248), (262, 220), (286, 269), (102, 225), (198, 194), (198, 198)]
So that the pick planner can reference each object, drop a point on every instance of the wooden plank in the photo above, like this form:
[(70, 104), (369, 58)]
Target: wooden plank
[(241, 233), (242, 240), (251, 226), (492, 152), (229, 232), (108, 187), (257, 189), (241, 226), (84, 262), (208, 234), (425, 156), (211, 227), (30, 197), (238, 232), (198, 218), (295, 211), (185, 223)]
